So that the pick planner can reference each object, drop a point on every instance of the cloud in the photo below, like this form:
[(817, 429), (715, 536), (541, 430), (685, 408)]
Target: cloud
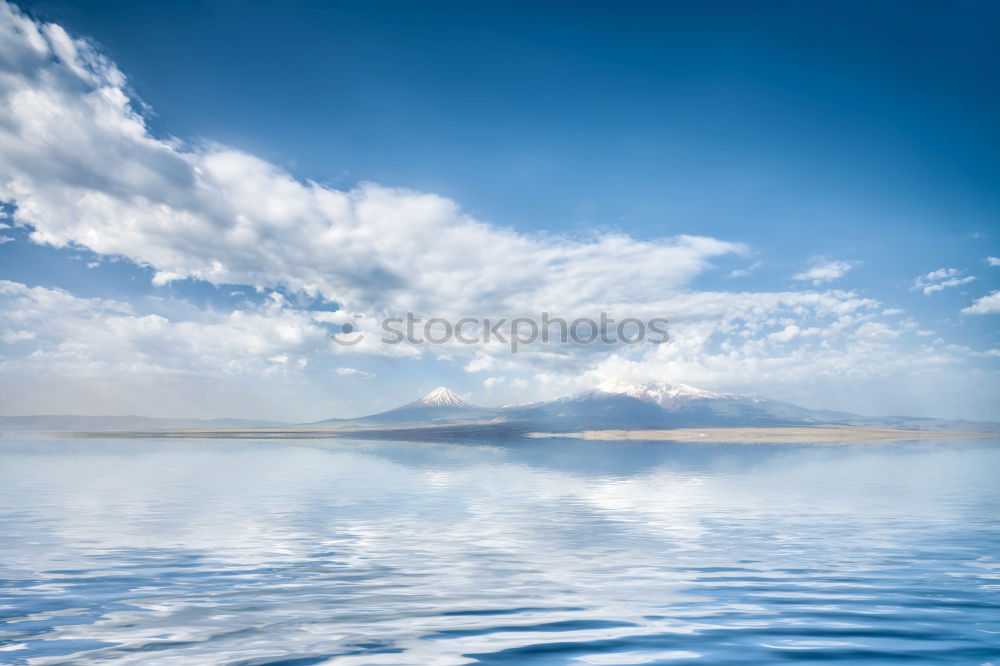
[(940, 279), (743, 272), (993, 261), (93, 337), (824, 272), (95, 355), (784, 335), (354, 372), (221, 215), (867, 368), (989, 304), (13, 337)]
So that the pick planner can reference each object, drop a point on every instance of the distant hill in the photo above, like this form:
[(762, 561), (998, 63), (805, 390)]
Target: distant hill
[(68, 423)]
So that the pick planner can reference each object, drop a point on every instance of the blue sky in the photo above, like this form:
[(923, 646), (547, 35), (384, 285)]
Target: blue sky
[(859, 139)]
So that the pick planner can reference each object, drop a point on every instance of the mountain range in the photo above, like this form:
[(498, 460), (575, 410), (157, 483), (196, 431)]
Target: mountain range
[(610, 406), (629, 407)]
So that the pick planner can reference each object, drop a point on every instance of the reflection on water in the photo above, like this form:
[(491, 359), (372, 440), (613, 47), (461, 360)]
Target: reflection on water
[(156, 552)]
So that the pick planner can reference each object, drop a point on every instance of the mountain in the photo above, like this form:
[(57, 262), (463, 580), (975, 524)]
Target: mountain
[(661, 405), (442, 397), (439, 407), (653, 406), (67, 422), (619, 406)]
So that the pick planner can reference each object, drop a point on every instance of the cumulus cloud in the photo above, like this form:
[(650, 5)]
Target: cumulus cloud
[(824, 272), (221, 215), (781, 347), (784, 335), (993, 261), (153, 357), (940, 279), (989, 304), (92, 337)]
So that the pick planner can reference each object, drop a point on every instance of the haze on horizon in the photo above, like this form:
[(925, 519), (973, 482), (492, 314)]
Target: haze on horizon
[(189, 211)]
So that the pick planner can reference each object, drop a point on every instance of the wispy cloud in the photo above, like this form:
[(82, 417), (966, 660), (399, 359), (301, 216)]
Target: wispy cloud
[(355, 372), (940, 279), (993, 261), (743, 272), (824, 272)]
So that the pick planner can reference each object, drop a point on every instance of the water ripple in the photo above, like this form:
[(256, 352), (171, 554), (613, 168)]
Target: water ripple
[(386, 553)]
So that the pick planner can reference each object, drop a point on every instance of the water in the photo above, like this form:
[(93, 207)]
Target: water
[(294, 553)]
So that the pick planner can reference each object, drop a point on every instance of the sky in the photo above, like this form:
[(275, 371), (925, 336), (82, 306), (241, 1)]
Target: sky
[(195, 196)]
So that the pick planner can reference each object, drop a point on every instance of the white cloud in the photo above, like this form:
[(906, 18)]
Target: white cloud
[(993, 261), (217, 214), (791, 345), (13, 337), (824, 272), (490, 382), (784, 335), (104, 355), (354, 372), (989, 304), (743, 272), (865, 370), (89, 337), (480, 362), (940, 279)]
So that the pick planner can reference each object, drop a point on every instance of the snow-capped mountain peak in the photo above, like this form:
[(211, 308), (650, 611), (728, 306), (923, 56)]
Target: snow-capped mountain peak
[(665, 395), (443, 397)]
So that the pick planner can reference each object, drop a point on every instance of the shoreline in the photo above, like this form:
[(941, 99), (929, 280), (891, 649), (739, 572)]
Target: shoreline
[(750, 435), (777, 435)]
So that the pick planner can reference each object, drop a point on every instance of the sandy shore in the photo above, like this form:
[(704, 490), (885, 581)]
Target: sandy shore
[(768, 435)]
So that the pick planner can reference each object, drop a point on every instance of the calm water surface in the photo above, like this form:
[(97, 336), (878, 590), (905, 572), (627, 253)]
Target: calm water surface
[(295, 553)]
